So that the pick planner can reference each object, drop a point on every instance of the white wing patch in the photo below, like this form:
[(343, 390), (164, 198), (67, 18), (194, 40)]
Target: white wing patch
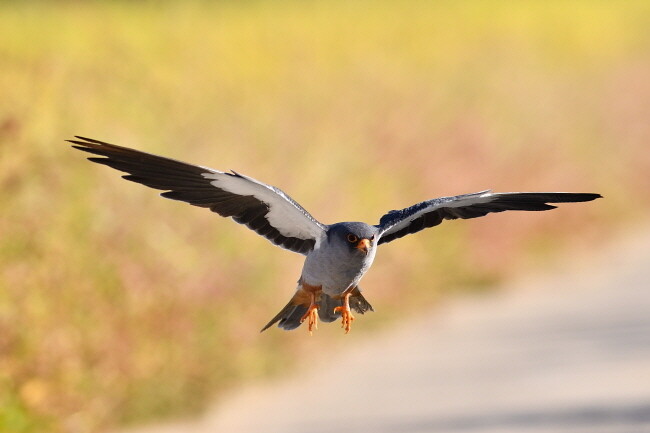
[(284, 215), (479, 197)]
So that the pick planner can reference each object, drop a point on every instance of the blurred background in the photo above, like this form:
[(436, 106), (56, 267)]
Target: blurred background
[(118, 307)]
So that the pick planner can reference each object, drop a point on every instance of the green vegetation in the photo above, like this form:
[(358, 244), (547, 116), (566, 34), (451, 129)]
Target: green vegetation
[(117, 306)]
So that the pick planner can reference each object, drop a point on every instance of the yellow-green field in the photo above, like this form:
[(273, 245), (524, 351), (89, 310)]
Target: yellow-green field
[(117, 306)]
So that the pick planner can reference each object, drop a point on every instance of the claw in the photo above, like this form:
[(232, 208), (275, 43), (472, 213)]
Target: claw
[(312, 315), (346, 313)]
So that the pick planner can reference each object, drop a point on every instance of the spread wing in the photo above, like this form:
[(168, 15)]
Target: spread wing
[(398, 223), (263, 208)]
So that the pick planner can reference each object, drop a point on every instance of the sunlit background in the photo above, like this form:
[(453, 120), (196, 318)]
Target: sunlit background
[(118, 307)]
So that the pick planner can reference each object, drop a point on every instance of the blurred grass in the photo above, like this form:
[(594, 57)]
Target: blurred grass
[(117, 306)]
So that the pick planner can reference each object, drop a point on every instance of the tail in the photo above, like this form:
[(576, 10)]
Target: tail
[(358, 303), (290, 316)]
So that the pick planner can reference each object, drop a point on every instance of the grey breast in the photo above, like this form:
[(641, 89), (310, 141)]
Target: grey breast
[(334, 268)]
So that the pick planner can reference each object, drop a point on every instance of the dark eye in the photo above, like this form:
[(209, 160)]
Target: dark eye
[(352, 238)]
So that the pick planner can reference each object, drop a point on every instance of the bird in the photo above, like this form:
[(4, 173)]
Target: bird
[(336, 255)]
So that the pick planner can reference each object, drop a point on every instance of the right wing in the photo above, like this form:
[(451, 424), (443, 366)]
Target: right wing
[(263, 208)]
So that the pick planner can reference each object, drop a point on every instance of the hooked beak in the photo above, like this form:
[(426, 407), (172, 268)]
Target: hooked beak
[(363, 245)]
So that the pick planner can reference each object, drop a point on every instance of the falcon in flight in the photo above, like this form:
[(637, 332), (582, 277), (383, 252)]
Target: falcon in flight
[(336, 255)]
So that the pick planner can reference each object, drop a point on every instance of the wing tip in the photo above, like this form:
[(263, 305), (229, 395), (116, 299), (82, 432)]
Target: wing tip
[(89, 140), (84, 143), (81, 142), (582, 196)]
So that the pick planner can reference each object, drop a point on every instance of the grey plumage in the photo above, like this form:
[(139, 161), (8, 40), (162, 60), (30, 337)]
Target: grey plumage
[(337, 255), (337, 264)]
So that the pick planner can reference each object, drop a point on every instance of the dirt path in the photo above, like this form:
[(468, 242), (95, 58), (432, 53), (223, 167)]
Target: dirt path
[(563, 353)]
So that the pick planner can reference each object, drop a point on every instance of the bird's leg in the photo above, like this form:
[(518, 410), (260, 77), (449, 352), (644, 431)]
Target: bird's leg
[(346, 313), (311, 314)]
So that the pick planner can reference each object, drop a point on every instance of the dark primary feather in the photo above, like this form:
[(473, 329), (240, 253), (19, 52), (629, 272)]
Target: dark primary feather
[(395, 224), (186, 182)]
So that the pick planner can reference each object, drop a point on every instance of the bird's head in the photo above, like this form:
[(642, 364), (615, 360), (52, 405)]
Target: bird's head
[(357, 237)]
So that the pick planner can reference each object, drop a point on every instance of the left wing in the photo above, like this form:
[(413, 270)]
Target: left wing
[(398, 223), (263, 208)]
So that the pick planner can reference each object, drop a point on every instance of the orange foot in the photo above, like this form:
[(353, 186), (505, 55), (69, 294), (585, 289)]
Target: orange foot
[(311, 314), (346, 313)]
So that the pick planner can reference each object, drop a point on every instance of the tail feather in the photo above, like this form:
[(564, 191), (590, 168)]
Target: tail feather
[(294, 318), (358, 302), (290, 316), (287, 316), (326, 306)]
